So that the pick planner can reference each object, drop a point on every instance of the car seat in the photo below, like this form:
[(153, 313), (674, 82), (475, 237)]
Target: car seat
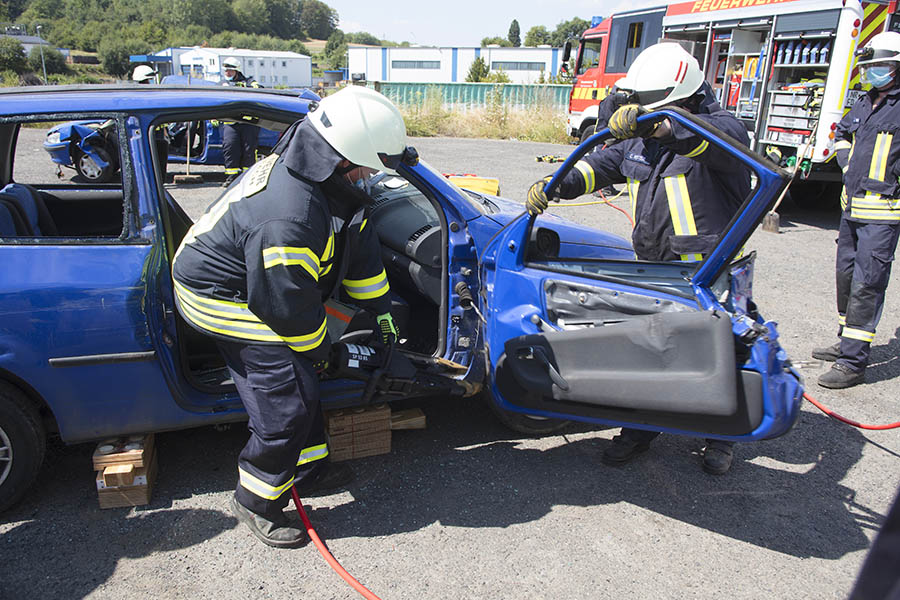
[(32, 205), (7, 225), (15, 223)]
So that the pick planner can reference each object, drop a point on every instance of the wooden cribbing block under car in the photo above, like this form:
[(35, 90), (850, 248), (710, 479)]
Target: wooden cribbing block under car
[(359, 432), (126, 470)]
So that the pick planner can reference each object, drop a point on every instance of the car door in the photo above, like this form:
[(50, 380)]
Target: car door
[(675, 347)]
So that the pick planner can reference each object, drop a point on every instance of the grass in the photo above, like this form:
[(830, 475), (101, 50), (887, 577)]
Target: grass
[(539, 122)]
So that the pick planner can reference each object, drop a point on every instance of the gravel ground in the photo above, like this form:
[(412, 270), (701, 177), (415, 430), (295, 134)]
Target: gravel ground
[(466, 509)]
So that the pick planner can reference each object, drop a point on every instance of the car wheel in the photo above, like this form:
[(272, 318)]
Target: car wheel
[(22, 445), (526, 424), (90, 170), (588, 132)]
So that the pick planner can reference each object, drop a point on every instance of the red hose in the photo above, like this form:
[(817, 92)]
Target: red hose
[(323, 550), (621, 210), (834, 415)]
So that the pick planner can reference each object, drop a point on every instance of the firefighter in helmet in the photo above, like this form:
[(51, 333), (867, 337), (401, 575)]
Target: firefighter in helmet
[(239, 140), (868, 152), (683, 191), (254, 272), (143, 74)]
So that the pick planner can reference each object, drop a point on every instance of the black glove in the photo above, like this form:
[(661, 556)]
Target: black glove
[(389, 332), (537, 201), (623, 123), (320, 366)]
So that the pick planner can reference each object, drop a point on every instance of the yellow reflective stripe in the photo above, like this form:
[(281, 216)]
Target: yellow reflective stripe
[(366, 289), (232, 313), (232, 170), (842, 145), (260, 488), (842, 320), (875, 202), (313, 453), (680, 210), (858, 334), (287, 256), (698, 150), (363, 224), (844, 198), (328, 253), (588, 173), (210, 301), (874, 215), (326, 270), (879, 157), (633, 186)]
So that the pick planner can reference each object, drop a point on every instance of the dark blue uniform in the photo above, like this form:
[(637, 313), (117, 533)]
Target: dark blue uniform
[(683, 191), (868, 151), (253, 272), (240, 140)]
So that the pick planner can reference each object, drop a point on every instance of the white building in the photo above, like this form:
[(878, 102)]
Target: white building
[(271, 68), (448, 64)]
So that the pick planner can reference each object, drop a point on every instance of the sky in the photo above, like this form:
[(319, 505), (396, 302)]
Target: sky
[(466, 22)]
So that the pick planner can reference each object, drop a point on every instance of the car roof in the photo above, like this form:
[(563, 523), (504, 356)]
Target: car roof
[(145, 99)]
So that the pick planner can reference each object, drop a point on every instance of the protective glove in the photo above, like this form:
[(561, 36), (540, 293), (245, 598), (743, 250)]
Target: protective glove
[(320, 366), (389, 332), (537, 201), (623, 123)]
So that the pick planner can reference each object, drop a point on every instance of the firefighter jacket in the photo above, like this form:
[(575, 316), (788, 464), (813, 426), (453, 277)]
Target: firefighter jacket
[(257, 266), (241, 80), (867, 148), (683, 191)]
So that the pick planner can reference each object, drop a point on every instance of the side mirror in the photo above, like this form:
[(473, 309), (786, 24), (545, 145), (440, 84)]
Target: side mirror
[(567, 51)]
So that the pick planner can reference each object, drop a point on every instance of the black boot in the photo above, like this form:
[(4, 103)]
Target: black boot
[(828, 353), (229, 179), (841, 376), (330, 477), (273, 530), (717, 457), (623, 449)]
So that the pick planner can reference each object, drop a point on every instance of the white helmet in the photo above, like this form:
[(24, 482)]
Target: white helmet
[(362, 126), (884, 47), (143, 74), (661, 74), (231, 63)]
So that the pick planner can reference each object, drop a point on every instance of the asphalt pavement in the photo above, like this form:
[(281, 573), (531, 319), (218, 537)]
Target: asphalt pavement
[(467, 509)]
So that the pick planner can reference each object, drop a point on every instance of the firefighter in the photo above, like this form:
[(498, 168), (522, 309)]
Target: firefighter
[(239, 140), (869, 156), (254, 271), (146, 75), (683, 191), (143, 74)]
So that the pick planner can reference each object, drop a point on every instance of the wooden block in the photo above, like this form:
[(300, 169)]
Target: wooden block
[(410, 418), (136, 494), (116, 475), (134, 450), (342, 421)]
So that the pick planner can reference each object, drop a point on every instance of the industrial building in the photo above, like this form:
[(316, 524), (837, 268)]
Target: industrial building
[(450, 64), (271, 68)]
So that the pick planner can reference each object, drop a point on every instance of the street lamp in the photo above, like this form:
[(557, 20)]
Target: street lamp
[(43, 65)]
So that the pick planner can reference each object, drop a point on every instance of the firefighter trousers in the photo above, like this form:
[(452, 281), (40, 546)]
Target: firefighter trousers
[(280, 390), (239, 142), (862, 271)]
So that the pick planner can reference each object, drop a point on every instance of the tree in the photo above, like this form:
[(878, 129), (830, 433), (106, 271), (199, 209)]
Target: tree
[(317, 19), (53, 60), (572, 28), (284, 18), (513, 35), (496, 40), (334, 41), (537, 36), (114, 53), (497, 77), (362, 37), (477, 71), (12, 55), (251, 16)]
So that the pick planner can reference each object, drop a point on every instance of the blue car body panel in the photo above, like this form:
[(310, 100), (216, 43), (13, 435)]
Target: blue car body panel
[(90, 329)]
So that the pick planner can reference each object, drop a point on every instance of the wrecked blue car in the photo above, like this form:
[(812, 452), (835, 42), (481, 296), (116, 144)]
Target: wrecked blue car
[(546, 319)]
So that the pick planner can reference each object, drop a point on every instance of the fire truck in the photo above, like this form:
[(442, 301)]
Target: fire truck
[(785, 68)]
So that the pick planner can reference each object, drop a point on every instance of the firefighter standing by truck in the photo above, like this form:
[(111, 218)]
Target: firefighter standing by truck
[(254, 271), (239, 140), (683, 190), (868, 151)]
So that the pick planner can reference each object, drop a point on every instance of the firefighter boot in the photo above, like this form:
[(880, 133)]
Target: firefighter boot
[(625, 447), (841, 376), (273, 530), (717, 457), (331, 477), (828, 353)]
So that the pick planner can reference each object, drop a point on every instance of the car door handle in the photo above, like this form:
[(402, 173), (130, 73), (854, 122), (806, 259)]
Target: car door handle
[(557, 379)]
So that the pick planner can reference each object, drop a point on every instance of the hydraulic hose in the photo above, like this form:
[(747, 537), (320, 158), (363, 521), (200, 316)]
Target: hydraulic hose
[(323, 550), (838, 417)]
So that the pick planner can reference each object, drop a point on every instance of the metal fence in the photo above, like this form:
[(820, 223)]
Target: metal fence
[(463, 96)]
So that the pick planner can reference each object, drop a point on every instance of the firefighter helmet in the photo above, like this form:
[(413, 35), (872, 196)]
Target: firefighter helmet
[(143, 74), (362, 126), (662, 74), (884, 47), (231, 63)]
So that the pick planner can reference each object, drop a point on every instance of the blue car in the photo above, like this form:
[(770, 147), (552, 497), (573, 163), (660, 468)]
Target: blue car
[(548, 320)]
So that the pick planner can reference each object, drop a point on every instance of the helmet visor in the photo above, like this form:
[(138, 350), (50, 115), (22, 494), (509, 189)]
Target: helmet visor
[(391, 161), (868, 56), (646, 97)]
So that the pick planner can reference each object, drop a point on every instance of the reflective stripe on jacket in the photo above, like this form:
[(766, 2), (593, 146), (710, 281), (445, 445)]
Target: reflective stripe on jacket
[(867, 145)]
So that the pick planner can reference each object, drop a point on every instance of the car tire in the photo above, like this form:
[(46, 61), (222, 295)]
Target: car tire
[(588, 132), (526, 424), (22, 444), (91, 171)]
